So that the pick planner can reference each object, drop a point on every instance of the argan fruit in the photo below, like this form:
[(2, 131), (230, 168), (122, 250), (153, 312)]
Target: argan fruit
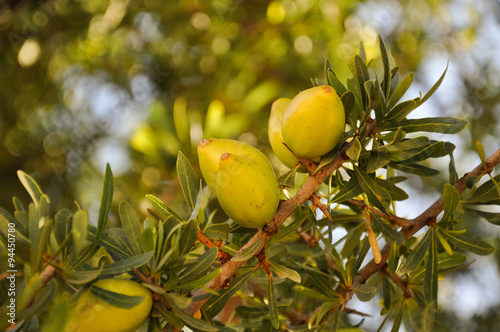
[(93, 313), (275, 136), (211, 149), (313, 122), (247, 190)]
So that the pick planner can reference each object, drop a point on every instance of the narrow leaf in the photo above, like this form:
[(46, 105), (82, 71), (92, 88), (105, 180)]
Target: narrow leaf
[(417, 255), (451, 199), (272, 303), (31, 186), (400, 90), (401, 111), (414, 168), (388, 232), (132, 226), (431, 272), (486, 192), (188, 181), (204, 262), (189, 320), (365, 292), (248, 252), (433, 89), (355, 150), (163, 208), (376, 194), (216, 303), (477, 247), (349, 190), (443, 125), (491, 217), (285, 272)]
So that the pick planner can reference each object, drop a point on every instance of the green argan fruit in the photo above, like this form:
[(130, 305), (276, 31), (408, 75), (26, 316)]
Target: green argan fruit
[(247, 190), (211, 149), (95, 314), (275, 136), (313, 122)]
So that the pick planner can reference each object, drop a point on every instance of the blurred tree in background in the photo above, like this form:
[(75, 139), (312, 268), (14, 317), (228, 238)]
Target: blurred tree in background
[(133, 82)]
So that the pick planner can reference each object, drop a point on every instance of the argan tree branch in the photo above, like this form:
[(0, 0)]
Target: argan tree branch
[(420, 222), (285, 210)]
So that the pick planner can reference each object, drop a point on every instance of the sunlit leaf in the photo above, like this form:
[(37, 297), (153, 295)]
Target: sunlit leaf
[(163, 208), (187, 179), (31, 186), (285, 272), (400, 90), (417, 255), (248, 252), (433, 89), (376, 194), (477, 247), (443, 125)]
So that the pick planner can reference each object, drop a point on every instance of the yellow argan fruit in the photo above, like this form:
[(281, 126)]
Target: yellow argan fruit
[(313, 122), (94, 314), (211, 149), (275, 136), (247, 190)]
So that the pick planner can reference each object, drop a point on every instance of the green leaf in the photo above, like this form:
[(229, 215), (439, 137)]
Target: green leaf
[(284, 231), (365, 292), (386, 83), (400, 90), (433, 89), (362, 75), (163, 208), (106, 200), (444, 243), (355, 150), (349, 190), (452, 170), (188, 181), (248, 252), (217, 231), (107, 242), (378, 159), (31, 187), (477, 247), (349, 102), (119, 267), (117, 300), (285, 272), (451, 199), (188, 237), (443, 125), (58, 316), (376, 194), (414, 168), (63, 221), (288, 179), (486, 193), (199, 282), (377, 100), (431, 272), (491, 217), (397, 194), (447, 261), (401, 111), (417, 255), (79, 230), (170, 317), (324, 309), (272, 303), (132, 227), (335, 83), (388, 231), (200, 266), (189, 320), (147, 239), (314, 294), (216, 303)]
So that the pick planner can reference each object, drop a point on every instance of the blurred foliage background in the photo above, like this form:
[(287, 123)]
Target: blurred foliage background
[(132, 82)]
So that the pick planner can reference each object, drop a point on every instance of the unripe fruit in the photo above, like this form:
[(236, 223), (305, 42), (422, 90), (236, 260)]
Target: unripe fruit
[(210, 150), (93, 314), (275, 136), (247, 190), (313, 122)]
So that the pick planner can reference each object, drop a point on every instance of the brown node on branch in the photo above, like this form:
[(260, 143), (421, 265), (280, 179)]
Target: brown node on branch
[(264, 263), (221, 255)]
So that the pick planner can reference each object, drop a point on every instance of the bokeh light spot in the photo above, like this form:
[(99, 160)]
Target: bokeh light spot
[(303, 44), (276, 13), (29, 53)]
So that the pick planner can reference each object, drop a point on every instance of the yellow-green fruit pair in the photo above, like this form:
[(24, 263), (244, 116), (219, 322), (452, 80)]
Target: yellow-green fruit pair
[(94, 314), (243, 180), (313, 123), (275, 136)]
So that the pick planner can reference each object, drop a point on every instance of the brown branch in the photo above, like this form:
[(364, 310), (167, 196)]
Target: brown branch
[(419, 222), (285, 209), (400, 282), (392, 218)]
